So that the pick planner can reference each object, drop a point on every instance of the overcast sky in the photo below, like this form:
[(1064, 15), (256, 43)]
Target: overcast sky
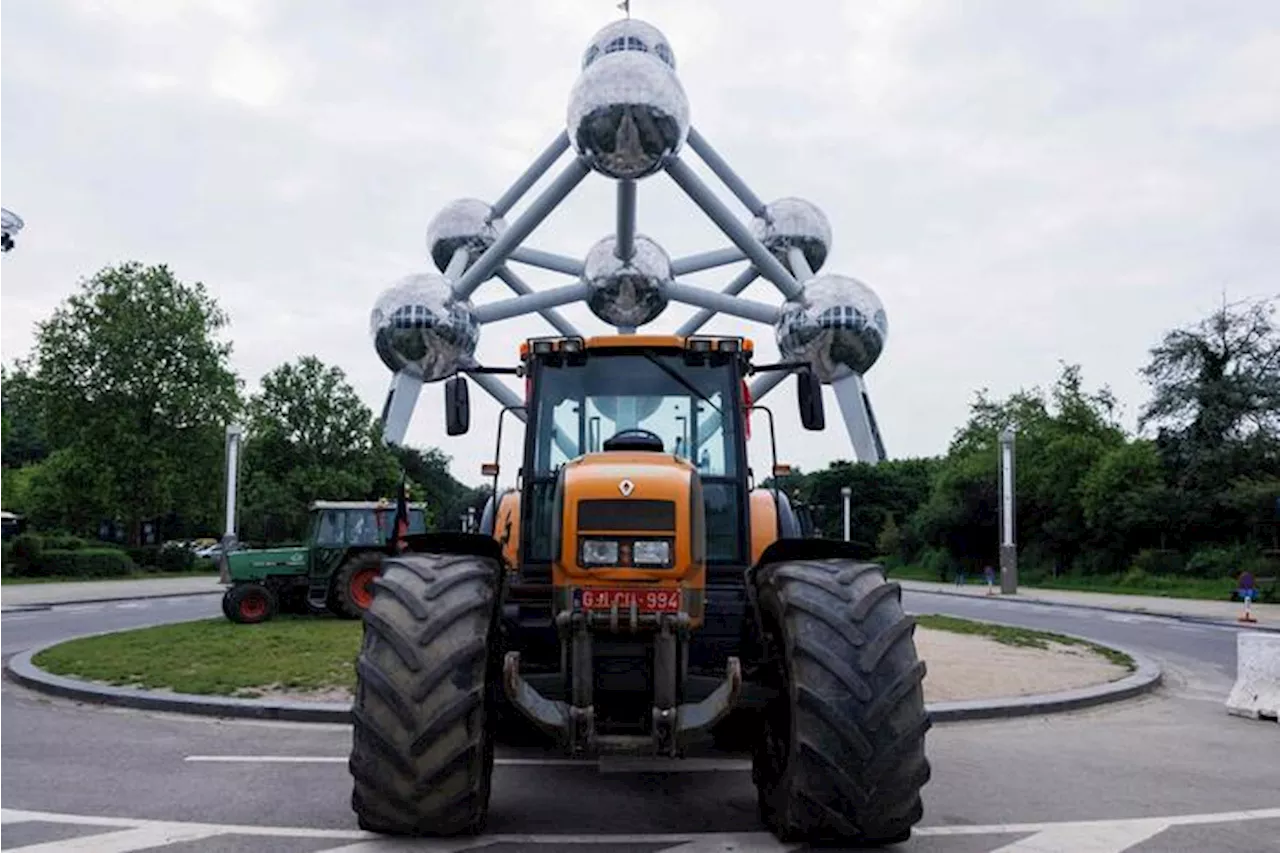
[(1021, 183)]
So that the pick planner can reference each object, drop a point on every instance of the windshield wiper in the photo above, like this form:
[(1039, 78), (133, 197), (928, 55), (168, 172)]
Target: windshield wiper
[(665, 368)]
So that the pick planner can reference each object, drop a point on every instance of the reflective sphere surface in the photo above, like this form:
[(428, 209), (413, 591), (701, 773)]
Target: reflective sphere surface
[(794, 222), (464, 223), (839, 326), (419, 327), (627, 114), (627, 293), (629, 34)]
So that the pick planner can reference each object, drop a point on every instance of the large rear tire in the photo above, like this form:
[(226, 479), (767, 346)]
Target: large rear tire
[(840, 757), (422, 747), (351, 591)]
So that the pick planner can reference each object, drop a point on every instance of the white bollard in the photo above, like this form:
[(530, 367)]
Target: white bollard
[(1256, 693)]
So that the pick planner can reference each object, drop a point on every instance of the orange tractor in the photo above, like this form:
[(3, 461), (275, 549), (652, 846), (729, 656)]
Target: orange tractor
[(635, 593)]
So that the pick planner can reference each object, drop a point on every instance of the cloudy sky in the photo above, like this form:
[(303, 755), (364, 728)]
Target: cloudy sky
[(1021, 183)]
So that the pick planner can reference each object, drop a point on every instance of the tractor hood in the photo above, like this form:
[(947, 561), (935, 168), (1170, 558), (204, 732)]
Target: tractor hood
[(627, 496), (255, 565)]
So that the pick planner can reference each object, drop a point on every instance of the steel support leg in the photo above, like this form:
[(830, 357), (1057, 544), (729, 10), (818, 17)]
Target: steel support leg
[(739, 284), (494, 256), (398, 408), (545, 161), (859, 420), (769, 266), (625, 246)]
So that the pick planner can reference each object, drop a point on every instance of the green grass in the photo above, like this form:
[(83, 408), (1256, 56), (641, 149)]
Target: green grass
[(1011, 636), (133, 576), (217, 657), (1159, 586)]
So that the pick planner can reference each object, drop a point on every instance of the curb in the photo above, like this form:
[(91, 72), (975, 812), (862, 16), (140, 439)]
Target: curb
[(1044, 602), (48, 605), (1145, 678)]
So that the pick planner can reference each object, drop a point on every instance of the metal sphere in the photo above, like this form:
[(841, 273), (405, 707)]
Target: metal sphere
[(628, 114), (838, 325), (794, 222), (629, 34), (466, 223), (420, 328), (627, 293)]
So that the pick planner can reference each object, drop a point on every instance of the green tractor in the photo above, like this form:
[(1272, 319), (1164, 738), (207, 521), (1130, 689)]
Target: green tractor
[(332, 572)]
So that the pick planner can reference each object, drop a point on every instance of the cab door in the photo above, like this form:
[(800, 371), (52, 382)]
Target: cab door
[(329, 542)]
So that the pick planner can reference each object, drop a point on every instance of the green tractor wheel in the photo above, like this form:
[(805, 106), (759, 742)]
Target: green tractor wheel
[(249, 603), (351, 592)]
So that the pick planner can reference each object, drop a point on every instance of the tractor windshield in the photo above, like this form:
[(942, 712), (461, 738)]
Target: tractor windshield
[(579, 407)]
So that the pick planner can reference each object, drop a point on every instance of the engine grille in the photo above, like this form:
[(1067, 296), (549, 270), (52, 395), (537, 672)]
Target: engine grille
[(627, 515)]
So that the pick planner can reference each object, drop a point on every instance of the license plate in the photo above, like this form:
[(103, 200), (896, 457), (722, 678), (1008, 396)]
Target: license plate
[(645, 600)]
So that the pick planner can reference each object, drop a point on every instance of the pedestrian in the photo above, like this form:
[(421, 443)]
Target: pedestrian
[(990, 574), (960, 576)]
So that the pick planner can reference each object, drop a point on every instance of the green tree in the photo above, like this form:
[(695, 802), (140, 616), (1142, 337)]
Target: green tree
[(309, 438), (133, 384), (23, 425)]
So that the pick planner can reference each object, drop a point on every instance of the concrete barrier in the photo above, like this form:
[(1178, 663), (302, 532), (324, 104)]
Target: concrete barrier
[(1256, 693)]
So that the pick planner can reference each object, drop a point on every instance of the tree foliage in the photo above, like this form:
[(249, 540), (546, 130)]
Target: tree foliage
[(309, 438), (130, 389)]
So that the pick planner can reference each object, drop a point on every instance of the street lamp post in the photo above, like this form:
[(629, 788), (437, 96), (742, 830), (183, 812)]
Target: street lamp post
[(1008, 543), (846, 493)]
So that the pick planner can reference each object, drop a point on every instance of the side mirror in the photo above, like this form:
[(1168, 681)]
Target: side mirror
[(457, 406), (809, 394)]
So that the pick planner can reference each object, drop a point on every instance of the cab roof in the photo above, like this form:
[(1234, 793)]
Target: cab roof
[(385, 504), (604, 342)]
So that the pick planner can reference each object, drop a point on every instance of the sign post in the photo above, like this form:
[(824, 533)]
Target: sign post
[(847, 494), (1008, 544)]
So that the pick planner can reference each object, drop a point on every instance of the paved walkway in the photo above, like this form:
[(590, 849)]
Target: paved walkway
[(33, 594), (1268, 615)]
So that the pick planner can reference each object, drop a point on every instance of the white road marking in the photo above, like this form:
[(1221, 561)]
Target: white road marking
[(609, 764), (127, 840), (77, 608), (746, 842), (420, 845), (133, 605), (1094, 838), (643, 764), (1075, 836), (342, 759)]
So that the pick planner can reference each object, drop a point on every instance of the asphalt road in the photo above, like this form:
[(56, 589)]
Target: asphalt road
[(1163, 773)]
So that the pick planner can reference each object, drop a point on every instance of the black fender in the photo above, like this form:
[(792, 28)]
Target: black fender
[(455, 542)]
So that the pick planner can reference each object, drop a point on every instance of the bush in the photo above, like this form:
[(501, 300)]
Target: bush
[(939, 562), (26, 552), (83, 563), (1226, 562), (1155, 561), (62, 542)]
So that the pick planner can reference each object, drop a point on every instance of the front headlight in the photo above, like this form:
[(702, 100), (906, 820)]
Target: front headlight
[(651, 552), (599, 552)]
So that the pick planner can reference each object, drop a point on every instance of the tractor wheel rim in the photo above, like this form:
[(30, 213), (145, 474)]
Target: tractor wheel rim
[(362, 587), (253, 606)]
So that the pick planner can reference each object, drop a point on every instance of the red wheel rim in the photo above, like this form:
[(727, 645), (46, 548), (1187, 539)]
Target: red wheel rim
[(253, 606), (362, 587)]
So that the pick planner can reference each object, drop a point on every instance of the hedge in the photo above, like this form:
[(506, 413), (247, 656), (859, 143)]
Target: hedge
[(81, 563)]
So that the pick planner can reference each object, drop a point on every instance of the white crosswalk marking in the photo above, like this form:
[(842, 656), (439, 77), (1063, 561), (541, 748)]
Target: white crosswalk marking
[(746, 842), (417, 845), (128, 840), (1088, 838)]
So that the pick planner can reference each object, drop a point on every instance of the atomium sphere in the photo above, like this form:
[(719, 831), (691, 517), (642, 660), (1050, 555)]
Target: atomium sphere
[(466, 223), (627, 293), (420, 328), (629, 34), (628, 115), (838, 326), (794, 222), (627, 412)]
